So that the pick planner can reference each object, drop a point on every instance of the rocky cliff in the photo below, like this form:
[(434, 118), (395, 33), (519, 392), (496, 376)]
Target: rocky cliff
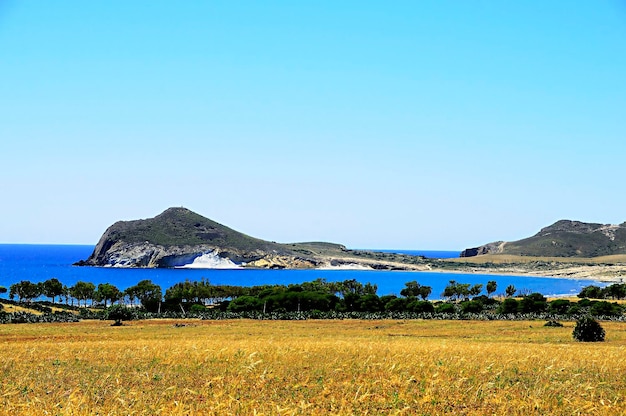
[(181, 238), (564, 238)]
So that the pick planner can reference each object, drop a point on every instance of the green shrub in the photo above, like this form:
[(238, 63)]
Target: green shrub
[(119, 313), (508, 306), (560, 306), (245, 303), (369, 303), (472, 306), (421, 306), (535, 302), (553, 324), (594, 292), (397, 304), (588, 330), (604, 308), (195, 308), (574, 310), (445, 308)]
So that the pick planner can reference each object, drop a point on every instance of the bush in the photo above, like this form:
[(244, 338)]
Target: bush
[(397, 304), (472, 306), (594, 292), (604, 308), (535, 302), (560, 306), (553, 324), (369, 303), (574, 310), (195, 308), (588, 330), (421, 306), (445, 308), (509, 306), (245, 304), (119, 313), (486, 301)]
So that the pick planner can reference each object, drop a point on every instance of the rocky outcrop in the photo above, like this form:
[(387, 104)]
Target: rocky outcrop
[(122, 254), (491, 248), (181, 238), (565, 238)]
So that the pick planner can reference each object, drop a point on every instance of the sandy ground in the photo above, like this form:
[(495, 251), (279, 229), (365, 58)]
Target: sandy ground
[(603, 273)]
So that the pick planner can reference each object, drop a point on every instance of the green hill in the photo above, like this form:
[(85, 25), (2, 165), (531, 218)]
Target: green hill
[(182, 227), (178, 237), (564, 238)]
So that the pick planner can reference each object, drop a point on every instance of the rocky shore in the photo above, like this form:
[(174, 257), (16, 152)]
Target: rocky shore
[(179, 237)]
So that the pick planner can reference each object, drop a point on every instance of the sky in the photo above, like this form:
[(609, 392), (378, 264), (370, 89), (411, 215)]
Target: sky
[(428, 124)]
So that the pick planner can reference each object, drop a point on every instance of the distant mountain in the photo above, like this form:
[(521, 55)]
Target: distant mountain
[(564, 238), (179, 237)]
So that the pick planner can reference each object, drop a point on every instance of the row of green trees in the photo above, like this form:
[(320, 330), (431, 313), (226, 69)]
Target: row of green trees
[(181, 295), (85, 293), (614, 291), (320, 295)]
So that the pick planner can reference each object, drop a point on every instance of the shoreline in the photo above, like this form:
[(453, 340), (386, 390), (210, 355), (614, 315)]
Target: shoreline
[(548, 275)]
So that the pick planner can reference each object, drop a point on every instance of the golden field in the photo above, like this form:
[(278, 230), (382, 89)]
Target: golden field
[(309, 368)]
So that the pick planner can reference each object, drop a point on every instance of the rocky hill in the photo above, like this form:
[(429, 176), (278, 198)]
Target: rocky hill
[(564, 238), (179, 237)]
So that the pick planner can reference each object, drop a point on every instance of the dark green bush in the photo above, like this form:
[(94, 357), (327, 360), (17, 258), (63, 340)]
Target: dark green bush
[(421, 306), (195, 308), (574, 310), (396, 304), (553, 324), (594, 292), (472, 306), (508, 306), (119, 313), (245, 303), (604, 308), (560, 306), (445, 308), (588, 330), (535, 302), (369, 303), (486, 301)]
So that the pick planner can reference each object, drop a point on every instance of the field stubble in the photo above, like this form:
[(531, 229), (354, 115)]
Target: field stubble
[(309, 367)]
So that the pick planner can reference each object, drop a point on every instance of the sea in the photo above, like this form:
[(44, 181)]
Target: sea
[(38, 262)]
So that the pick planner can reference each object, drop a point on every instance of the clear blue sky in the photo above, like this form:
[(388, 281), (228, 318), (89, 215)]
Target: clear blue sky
[(400, 124)]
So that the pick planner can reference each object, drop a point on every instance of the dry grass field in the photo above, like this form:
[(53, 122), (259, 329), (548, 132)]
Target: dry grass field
[(308, 368)]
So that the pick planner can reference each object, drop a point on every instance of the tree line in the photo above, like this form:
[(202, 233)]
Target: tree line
[(317, 295)]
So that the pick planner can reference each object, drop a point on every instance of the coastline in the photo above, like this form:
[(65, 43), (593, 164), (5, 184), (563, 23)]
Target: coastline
[(547, 275)]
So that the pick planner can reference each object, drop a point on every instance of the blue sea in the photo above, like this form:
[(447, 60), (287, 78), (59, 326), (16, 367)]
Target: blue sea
[(37, 263)]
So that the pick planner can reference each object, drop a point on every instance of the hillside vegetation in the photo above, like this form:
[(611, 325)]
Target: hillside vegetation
[(563, 239), (178, 236), (182, 227)]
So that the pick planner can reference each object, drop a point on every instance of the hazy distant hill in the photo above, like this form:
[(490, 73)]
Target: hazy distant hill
[(564, 238)]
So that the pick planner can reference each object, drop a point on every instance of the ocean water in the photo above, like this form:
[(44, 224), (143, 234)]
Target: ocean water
[(41, 262)]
